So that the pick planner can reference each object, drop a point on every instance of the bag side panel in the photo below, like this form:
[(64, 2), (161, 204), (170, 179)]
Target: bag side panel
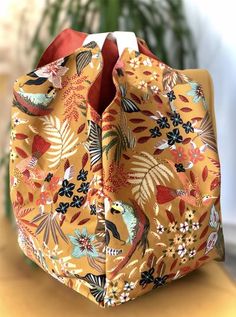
[(161, 179), (56, 176)]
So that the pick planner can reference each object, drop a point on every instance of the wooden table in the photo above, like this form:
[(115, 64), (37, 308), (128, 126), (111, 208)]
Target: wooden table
[(30, 292)]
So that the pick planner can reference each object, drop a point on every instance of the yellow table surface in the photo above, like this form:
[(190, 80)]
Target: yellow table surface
[(30, 292)]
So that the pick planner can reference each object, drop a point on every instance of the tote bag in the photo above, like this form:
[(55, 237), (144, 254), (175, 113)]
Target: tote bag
[(114, 168)]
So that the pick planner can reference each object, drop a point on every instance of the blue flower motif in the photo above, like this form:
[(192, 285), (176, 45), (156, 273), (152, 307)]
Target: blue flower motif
[(66, 189), (174, 137), (83, 244), (48, 177), (160, 281), (163, 122), (62, 208), (84, 187), (77, 201), (171, 95), (82, 175), (155, 132), (147, 277), (188, 127), (179, 167), (93, 210), (175, 118)]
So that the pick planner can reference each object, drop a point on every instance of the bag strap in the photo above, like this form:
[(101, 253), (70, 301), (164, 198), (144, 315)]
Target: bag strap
[(123, 40)]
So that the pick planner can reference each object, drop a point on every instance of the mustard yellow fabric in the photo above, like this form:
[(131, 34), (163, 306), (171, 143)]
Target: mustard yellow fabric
[(117, 204)]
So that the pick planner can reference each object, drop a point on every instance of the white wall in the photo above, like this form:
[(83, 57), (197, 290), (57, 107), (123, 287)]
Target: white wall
[(213, 24)]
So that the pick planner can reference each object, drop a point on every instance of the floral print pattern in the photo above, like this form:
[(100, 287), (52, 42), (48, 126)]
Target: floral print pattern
[(83, 244), (114, 204)]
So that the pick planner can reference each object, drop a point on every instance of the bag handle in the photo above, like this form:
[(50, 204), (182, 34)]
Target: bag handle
[(123, 40)]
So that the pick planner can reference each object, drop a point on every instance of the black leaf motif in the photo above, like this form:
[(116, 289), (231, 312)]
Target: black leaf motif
[(107, 237), (94, 139), (32, 74), (82, 60), (98, 285), (38, 81), (112, 227), (65, 60), (91, 44), (128, 105)]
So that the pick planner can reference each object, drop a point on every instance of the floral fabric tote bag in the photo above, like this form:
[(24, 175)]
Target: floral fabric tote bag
[(114, 168)]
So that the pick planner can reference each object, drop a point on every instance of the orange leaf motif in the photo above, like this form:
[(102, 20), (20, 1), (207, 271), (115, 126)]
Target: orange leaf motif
[(97, 167), (66, 165), (22, 153), (173, 264), (21, 136), (202, 246), (19, 197), (135, 98), (143, 139), (151, 262), (139, 129), (192, 176), (108, 118), (136, 120), (203, 216), (186, 109), (84, 159), (30, 196), (186, 140), (157, 99), (181, 207), (75, 216), (112, 111), (215, 183), (183, 98), (81, 128), (204, 232), (170, 216), (82, 222), (204, 173)]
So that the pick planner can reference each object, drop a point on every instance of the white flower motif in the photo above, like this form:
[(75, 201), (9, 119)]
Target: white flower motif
[(183, 227), (142, 84), (128, 286), (192, 253), (162, 65), (181, 250), (134, 62), (109, 301), (13, 155), (184, 260), (172, 226), (17, 121), (189, 215), (195, 225), (13, 134), (154, 76), (160, 229), (154, 89), (53, 71), (147, 62), (124, 297)]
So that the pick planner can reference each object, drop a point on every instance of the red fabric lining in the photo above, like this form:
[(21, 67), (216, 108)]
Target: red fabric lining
[(103, 90)]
